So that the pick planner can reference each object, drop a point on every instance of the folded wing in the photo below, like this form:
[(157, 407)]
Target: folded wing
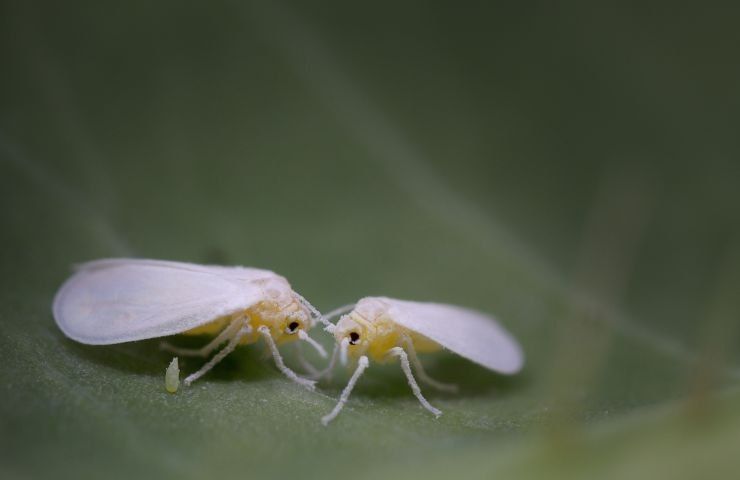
[(120, 300), (470, 334)]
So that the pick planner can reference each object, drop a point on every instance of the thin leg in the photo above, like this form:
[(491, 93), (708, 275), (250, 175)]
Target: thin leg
[(265, 332), (206, 350), (422, 374), (401, 354), (361, 366), (313, 372), (220, 355), (330, 367)]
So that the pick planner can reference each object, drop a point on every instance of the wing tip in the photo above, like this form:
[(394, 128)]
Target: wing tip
[(510, 363)]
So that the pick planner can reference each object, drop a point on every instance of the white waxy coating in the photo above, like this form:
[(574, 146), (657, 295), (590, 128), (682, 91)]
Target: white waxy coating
[(468, 333), (123, 300)]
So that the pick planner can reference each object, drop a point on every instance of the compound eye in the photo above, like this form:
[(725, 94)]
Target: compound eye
[(353, 338), (293, 327)]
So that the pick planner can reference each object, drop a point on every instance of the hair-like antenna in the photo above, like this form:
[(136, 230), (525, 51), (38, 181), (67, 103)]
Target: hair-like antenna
[(340, 311), (319, 349), (315, 314), (335, 313)]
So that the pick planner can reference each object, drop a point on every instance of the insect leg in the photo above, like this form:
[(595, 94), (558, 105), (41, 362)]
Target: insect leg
[(265, 332), (206, 350), (313, 372), (401, 354), (330, 367), (244, 330), (361, 366), (422, 374)]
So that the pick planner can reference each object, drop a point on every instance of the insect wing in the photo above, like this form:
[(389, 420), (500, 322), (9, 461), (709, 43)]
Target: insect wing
[(470, 334), (244, 273), (115, 301)]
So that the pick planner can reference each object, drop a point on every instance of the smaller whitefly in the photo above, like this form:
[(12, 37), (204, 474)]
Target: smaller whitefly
[(172, 376), (382, 328)]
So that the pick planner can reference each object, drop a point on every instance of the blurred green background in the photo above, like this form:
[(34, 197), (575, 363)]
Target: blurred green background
[(572, 169)]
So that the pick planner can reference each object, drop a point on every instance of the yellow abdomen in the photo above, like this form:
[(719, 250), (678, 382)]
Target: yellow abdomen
[(212, 328), (388, 334), (258, 315)]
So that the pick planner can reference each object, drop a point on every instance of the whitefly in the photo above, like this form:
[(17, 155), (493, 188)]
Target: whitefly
[(384, 329), (124, 300)]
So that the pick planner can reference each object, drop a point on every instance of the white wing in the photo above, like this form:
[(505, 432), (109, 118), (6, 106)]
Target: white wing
[(470, 334), (123, 300), (244, 273)]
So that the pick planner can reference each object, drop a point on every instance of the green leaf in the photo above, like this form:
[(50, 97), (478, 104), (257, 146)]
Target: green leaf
[(571, 170)]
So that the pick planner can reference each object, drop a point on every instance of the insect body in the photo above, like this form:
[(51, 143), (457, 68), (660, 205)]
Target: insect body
[(123, 300), (384, 328)]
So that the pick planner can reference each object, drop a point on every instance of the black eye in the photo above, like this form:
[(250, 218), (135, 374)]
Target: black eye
[(293, 325), (353, 337)]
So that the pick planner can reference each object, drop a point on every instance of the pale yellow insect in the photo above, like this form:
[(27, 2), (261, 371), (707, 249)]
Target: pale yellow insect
[(384, 328), (123, 300)]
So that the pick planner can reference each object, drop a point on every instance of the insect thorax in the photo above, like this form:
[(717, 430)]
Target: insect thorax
[(278, 308), (378, 332), (276, 317)]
